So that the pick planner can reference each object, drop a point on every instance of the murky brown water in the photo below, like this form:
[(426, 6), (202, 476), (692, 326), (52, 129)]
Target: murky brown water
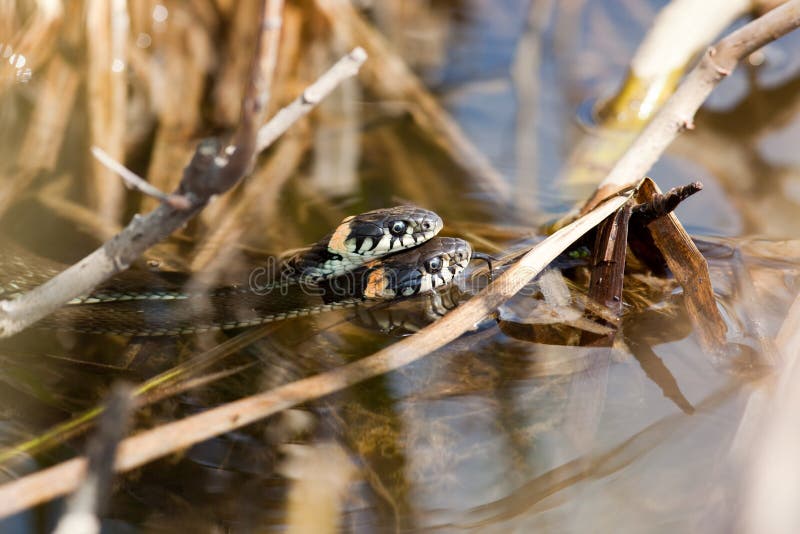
[(496, 432)]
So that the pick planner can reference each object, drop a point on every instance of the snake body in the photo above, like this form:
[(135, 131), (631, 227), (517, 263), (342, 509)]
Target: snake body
[(431, 265), (379, 255)]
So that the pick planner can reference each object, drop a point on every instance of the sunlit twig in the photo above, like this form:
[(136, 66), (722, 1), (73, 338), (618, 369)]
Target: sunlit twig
[(134, 181)]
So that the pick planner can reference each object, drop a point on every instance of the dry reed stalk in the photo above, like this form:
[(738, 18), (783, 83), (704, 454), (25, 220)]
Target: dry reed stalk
[(107, 35), (261, 185), (230, 82), (34, 42), (54, 197), (46, 129), (415, 178), (418, 30), (48, 124), (141, 17), (678, 32), (762, 6), (286, 84), (337, 142), (390, 78), (173, 380), (270, 37), (337, 139), (8, 21), (226, 7), (181, 57), (525, 74)]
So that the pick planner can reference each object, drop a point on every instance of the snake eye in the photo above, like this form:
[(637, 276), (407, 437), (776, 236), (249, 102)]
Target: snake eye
[(434, 265), (398, 228)]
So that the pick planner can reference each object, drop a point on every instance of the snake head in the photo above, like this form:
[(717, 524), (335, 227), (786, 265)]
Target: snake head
[(361, 238), (420, 270), (384, 231)]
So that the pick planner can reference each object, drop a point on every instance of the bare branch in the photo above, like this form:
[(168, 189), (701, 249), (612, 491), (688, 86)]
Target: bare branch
[(663, 203), (136, 182), (344, 68)]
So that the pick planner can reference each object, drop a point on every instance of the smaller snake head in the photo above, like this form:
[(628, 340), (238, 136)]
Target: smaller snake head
[(420, 270), (384, 231)]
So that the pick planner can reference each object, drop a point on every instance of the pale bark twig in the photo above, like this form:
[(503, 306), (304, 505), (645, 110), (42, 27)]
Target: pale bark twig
[(343, 69), (134, 181)]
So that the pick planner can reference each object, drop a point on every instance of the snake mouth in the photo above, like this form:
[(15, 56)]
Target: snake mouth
[(420, 270)]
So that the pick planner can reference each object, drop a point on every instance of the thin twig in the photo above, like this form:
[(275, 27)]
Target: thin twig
[(344, 68), (136, 182), (678, 113), (158, 442), (211, 172), (663, 203)]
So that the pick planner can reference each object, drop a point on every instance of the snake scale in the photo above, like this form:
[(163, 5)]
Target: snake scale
[(379, 255)]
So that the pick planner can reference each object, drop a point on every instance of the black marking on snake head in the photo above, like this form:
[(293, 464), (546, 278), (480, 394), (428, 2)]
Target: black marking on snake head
[(360, 230)]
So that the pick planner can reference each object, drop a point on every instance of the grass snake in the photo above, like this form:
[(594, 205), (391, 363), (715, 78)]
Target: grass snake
[(380, 255)]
